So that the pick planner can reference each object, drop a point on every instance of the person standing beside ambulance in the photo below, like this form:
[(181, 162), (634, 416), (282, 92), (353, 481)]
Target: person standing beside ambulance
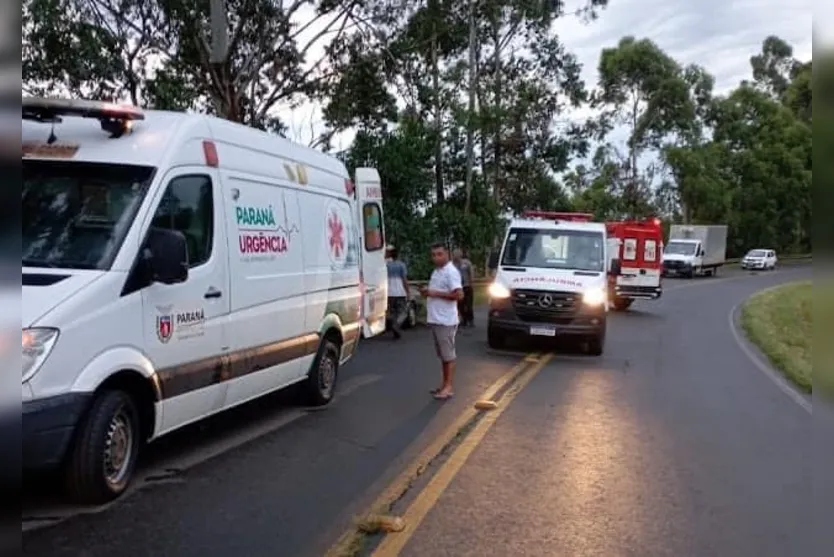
[(397, 292), (465, 305), (443, 293)]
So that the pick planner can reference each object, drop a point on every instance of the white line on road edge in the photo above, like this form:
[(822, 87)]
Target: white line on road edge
[(765, 368)]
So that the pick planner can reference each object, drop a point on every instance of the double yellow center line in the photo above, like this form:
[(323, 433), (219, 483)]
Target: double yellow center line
[(511, 383)]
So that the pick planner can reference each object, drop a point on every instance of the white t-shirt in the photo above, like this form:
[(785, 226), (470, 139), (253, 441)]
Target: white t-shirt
[(439, 311)]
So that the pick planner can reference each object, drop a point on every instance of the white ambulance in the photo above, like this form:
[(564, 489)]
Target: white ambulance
[(551, 280), (177, 265)]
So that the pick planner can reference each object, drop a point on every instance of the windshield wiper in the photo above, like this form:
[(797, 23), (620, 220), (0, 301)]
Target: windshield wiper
[(58, 265), (38, 263)]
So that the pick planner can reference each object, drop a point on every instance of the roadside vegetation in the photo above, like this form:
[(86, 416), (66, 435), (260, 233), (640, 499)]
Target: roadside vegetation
[(779, 322), (823, 326), (469, 110)]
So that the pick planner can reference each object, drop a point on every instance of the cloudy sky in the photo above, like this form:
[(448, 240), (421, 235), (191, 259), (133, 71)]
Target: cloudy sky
[(720, 35)]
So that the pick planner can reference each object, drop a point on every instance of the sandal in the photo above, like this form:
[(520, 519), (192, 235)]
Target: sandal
[(447, 396)]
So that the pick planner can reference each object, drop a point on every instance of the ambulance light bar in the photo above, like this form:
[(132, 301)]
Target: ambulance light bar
[(115, 119), (35, 108), (557, 215)]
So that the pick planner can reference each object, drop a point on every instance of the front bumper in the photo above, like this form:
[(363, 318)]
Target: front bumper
[(676, 268), (638, 292), (752, 264), (588, 322), (48, 428)]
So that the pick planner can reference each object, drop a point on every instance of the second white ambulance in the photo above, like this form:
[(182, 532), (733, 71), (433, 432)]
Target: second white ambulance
[(550, 280)]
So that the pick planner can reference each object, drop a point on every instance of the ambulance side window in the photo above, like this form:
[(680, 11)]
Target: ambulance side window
[(187, 206), (651, 250), (372, 224), (630, 249)]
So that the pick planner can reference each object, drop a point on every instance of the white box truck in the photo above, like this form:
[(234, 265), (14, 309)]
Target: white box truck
[(695, 249)]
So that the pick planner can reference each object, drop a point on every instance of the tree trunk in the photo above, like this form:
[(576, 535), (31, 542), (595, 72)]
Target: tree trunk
[(496, 109), (631, 194), (438, 113), (470, 127)]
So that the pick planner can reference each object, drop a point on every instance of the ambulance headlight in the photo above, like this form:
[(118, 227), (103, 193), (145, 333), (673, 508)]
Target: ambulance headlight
[(37, 344), (498, 291), (594, 297)]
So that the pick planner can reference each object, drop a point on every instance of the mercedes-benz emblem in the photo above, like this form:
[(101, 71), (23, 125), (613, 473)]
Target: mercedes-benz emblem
[(545, 300)]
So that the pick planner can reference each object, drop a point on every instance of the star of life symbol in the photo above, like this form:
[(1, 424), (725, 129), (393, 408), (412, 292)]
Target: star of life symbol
[(336, 237)]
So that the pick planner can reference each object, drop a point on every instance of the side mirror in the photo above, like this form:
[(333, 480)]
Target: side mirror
[(493, 260), (616, 267), (166, 254)]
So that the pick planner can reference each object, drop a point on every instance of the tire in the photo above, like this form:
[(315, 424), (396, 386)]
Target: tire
[(112, 423), (622, 304), (596, 344), (321, 381), (495, 338)]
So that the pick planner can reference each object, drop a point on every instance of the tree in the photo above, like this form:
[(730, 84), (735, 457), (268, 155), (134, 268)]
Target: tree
[(645, 90), (774, 67), (158, 53)]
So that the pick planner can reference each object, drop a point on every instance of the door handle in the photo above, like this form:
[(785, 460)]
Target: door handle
[(212, 293)]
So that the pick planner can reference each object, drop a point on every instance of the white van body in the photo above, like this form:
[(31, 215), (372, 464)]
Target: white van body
[(284, 253), (556, 288), (695, 249)]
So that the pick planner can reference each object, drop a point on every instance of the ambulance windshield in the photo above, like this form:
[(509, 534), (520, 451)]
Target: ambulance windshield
[(76, 215), (554, 249)]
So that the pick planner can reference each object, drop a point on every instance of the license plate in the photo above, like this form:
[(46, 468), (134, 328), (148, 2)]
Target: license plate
[(543, 331)]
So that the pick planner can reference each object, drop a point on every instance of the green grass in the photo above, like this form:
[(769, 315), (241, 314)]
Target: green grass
[(823, 328), (779, 322)]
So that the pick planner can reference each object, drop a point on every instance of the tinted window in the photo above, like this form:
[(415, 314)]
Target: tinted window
[(554, 249), (76, 215), (187, 206), (372, 223), (679, 248), (757, 253)]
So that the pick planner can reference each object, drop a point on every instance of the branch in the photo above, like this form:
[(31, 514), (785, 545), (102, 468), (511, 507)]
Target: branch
[(279, 92)]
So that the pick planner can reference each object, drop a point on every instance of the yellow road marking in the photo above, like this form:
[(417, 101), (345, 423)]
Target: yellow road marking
[(392, 544), (401, 484)]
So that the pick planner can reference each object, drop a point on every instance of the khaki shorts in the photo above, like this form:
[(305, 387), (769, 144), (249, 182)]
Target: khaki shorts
[(444, 341)]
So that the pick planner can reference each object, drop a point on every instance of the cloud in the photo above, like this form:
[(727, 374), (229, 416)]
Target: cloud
[(720, 35)]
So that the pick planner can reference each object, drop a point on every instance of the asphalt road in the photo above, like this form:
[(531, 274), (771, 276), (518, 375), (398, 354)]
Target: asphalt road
[(672, 443)]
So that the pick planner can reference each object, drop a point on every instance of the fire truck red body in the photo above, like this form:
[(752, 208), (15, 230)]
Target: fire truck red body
[(638, 244)]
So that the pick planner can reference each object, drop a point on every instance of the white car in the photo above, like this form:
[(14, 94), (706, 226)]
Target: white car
[(764, 259)]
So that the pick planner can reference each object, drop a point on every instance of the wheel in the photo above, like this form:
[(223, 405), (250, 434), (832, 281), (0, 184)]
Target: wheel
[(103, 457), (321, 382), (622, 304), (596, 344), (495, 338)]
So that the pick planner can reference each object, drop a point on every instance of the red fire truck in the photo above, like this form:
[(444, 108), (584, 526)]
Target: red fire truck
[(638, 244)]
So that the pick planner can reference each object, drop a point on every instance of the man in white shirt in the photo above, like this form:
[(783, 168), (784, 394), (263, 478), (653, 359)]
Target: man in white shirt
[(443, 293)]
